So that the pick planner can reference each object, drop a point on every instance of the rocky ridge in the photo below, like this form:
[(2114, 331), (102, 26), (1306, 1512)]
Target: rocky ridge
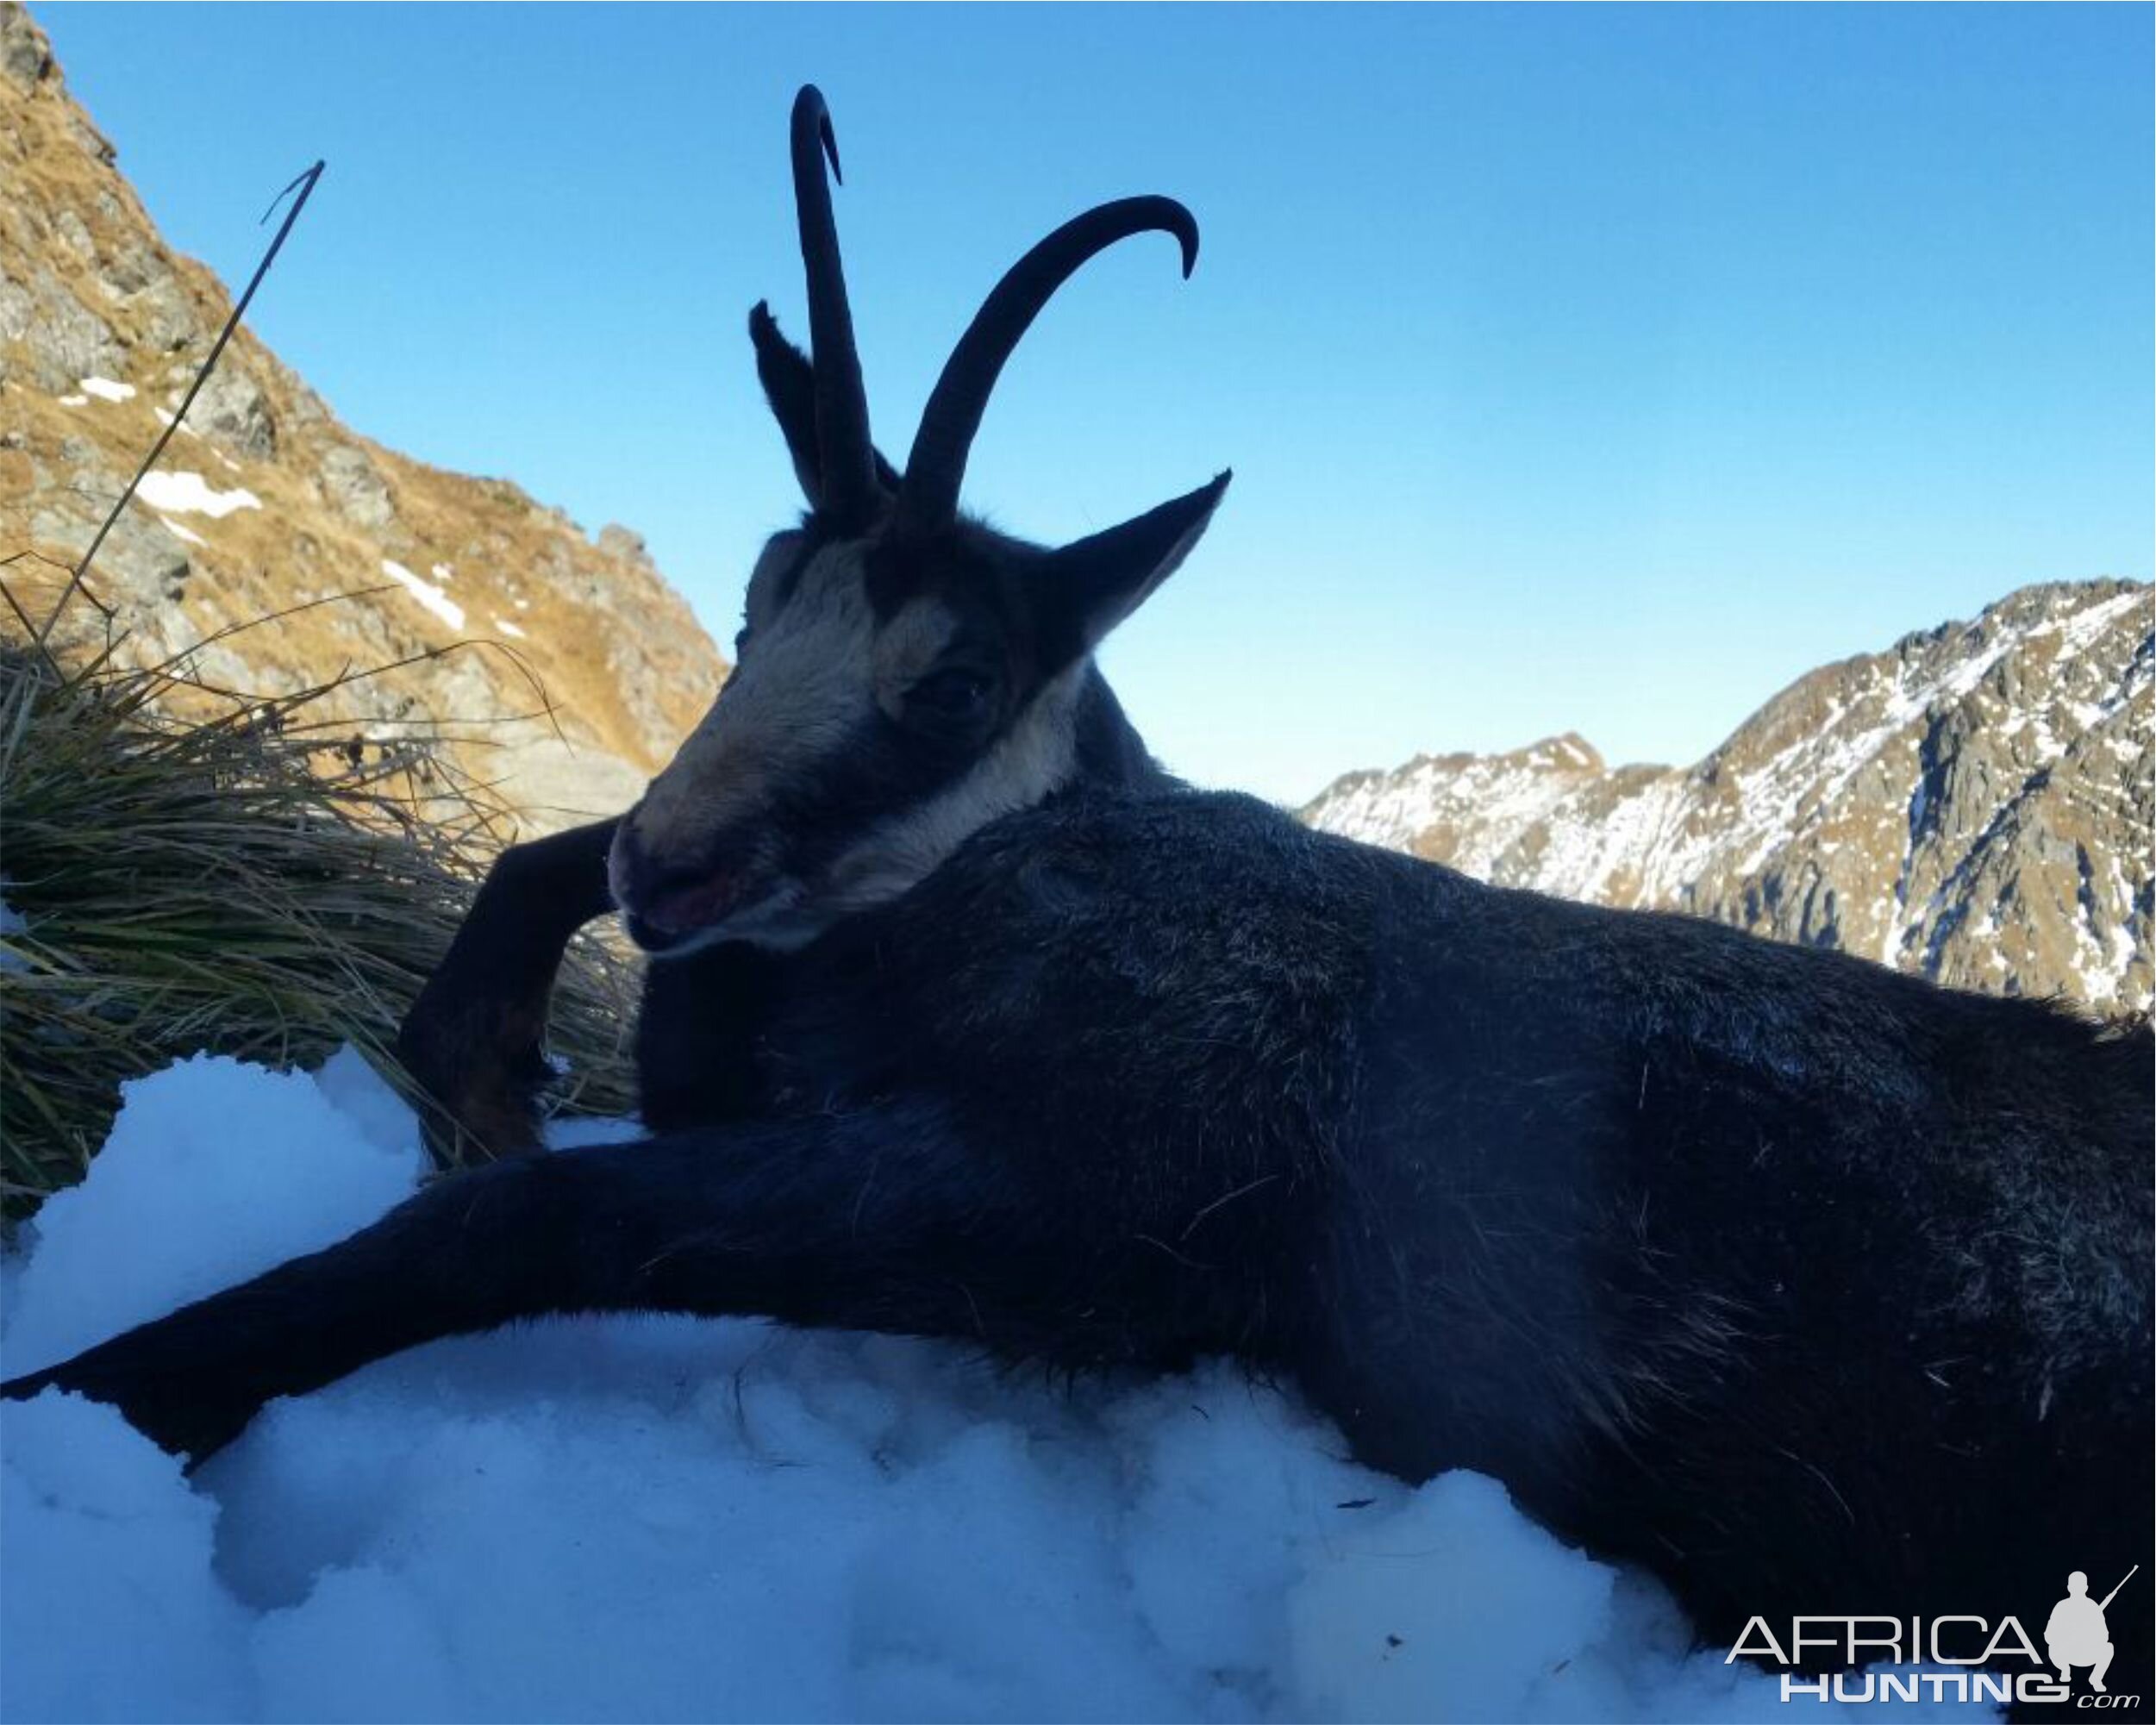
[(264, 502), (1973, 804)]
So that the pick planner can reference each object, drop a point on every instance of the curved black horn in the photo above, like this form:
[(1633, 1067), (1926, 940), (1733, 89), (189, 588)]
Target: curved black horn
[(847, 481), (929, 497)]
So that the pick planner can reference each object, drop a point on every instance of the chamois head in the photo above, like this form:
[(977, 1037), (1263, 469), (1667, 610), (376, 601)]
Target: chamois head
[(904, 674)]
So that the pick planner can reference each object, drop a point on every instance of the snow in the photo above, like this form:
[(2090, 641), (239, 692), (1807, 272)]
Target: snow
[(649, 1517), (181, 533), (1495, 798), (74, 400), (191, 494), (2089, 624), (509, 628), (442, 572), (427, 593), (105, 390), (266, 1207)]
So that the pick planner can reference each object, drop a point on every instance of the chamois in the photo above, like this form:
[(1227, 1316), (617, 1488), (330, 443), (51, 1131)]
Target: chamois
[(1810, 1286)]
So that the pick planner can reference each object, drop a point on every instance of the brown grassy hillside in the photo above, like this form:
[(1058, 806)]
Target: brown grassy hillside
[(265, 501)]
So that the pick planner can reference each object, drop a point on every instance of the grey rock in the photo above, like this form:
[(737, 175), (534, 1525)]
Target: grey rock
[(556, 784), (167, 314), (303, 406), (63, 340), (15, 319), (233, 411), (25, 57), (139, 564), (131, 267), (354, 488), (74, 233)]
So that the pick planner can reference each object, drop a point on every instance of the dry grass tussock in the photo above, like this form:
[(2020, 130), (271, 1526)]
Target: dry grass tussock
[(193, 868)]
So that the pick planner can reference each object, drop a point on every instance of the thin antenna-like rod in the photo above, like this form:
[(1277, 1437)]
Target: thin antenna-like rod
[(304, 185), (2114, 1593)]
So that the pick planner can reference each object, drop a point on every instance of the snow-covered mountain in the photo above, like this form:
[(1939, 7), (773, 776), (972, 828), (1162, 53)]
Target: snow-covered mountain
[(1974, 803)]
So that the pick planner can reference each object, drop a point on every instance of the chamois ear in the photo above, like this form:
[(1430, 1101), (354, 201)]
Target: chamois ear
[(1083, 590), (789, 385)]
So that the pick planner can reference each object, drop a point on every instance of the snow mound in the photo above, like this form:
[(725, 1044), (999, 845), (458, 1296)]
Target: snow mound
[(653, 1517)]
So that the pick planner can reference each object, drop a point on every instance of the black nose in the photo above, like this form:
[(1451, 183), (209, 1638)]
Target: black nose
[(665, 902)]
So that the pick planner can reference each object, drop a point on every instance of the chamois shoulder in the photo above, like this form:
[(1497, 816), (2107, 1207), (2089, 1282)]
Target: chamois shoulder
[(1055, 956)]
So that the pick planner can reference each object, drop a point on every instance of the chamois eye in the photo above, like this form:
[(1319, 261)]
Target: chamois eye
[(951, 695)]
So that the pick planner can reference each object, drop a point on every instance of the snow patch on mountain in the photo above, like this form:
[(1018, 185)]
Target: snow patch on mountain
[(190, 494), (426, 592)]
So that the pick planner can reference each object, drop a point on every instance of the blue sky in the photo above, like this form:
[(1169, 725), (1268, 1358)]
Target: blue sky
[(1600, 369)]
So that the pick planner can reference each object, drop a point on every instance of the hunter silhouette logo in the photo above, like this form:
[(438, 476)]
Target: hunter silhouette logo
[(1957, 1658), (2077, 1633)]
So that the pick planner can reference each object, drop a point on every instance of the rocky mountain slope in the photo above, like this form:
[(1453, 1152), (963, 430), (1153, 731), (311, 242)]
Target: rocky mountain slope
[(1974, 804), (264, 502)]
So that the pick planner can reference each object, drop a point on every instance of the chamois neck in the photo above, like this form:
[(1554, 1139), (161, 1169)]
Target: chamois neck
[(1109, 754)]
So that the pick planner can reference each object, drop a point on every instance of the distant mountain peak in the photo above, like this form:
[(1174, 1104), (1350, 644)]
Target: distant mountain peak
[(1974, 804)]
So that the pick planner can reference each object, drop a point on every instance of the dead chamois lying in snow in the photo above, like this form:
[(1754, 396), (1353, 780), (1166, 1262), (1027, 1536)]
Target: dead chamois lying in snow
[(1807, 1285)]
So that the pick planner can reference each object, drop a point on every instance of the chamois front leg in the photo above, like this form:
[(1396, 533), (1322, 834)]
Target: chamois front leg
[(880, 1219), (471, 1040)]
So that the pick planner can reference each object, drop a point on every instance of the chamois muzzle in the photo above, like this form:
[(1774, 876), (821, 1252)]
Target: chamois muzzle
[(669, 906)]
